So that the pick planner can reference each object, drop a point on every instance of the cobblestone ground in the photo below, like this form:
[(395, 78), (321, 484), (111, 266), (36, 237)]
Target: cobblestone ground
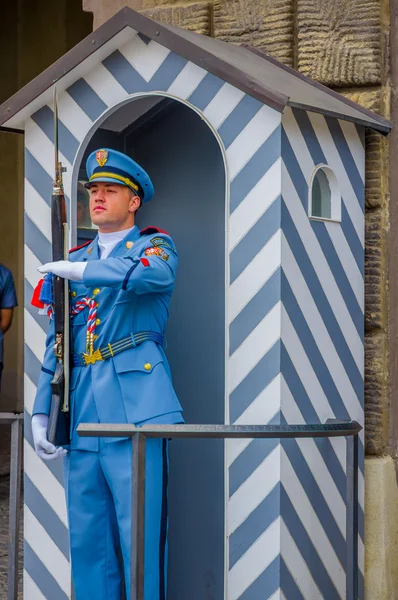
[(4, 499)]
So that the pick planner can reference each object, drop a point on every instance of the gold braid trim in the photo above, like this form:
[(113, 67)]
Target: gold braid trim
[(125, 180)]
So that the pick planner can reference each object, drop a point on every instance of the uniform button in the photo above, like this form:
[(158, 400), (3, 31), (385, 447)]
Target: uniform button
[(96, 291), (95, 337), (97, 321), (73, 294), (147, 366)]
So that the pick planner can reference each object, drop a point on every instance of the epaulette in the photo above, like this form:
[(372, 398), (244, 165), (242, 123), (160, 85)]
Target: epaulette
[(150, 230), (81, 246)]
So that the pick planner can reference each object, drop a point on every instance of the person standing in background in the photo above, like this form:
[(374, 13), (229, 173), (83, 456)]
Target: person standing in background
[(8, 301)]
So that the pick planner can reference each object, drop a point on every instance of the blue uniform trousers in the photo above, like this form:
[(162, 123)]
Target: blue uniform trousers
[(98, 492)]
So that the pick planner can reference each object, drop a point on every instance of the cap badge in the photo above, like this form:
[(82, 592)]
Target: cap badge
[(102, 157)]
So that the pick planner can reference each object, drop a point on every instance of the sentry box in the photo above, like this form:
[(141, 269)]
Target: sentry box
[(259, 178)]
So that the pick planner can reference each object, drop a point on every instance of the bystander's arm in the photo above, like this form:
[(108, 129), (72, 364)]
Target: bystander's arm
[(6, 315)]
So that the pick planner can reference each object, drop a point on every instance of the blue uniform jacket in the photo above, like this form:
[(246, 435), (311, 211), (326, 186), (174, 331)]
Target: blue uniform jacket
[(133, 289)]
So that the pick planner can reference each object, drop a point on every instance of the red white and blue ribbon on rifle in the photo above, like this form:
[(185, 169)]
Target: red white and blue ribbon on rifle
[(43, 300)]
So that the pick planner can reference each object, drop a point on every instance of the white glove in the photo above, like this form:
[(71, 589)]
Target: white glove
[(44, 449), (65, 269)]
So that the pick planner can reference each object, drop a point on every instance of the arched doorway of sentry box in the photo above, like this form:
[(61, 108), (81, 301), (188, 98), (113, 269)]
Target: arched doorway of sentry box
[(185, 159)]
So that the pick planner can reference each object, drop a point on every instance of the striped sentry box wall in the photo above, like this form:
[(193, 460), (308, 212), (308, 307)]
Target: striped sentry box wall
[(294, 302), (297, 357), (322, 353)]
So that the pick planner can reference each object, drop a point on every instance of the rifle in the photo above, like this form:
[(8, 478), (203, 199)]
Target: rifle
[(58, 429)]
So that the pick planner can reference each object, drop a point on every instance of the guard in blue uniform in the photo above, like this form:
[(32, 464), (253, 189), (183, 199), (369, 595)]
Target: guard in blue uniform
[(120, 286)]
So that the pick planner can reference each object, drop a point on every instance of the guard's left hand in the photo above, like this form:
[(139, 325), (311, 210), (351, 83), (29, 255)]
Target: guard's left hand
[(65, 269)]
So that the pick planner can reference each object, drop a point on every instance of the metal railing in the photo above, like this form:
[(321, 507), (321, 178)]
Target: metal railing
[(16, 422), (332, 428)]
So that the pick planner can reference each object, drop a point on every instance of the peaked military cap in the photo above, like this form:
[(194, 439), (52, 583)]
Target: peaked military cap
[(107, 165)]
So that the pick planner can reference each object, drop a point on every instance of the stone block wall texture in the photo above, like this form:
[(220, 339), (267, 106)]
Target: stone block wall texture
[(339, 41), (342, 44), (266, 24), (195, 17)]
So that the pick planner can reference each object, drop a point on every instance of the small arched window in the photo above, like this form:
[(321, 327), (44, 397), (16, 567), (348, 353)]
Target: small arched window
[(324, 202)]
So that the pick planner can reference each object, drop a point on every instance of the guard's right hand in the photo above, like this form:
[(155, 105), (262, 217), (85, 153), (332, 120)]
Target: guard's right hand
[(44, 449)]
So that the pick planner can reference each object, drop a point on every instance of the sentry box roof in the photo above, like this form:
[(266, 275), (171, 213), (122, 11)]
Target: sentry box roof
[(246, 68)]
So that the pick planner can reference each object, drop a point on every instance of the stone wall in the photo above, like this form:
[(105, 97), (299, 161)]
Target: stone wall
[(343, 44)]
